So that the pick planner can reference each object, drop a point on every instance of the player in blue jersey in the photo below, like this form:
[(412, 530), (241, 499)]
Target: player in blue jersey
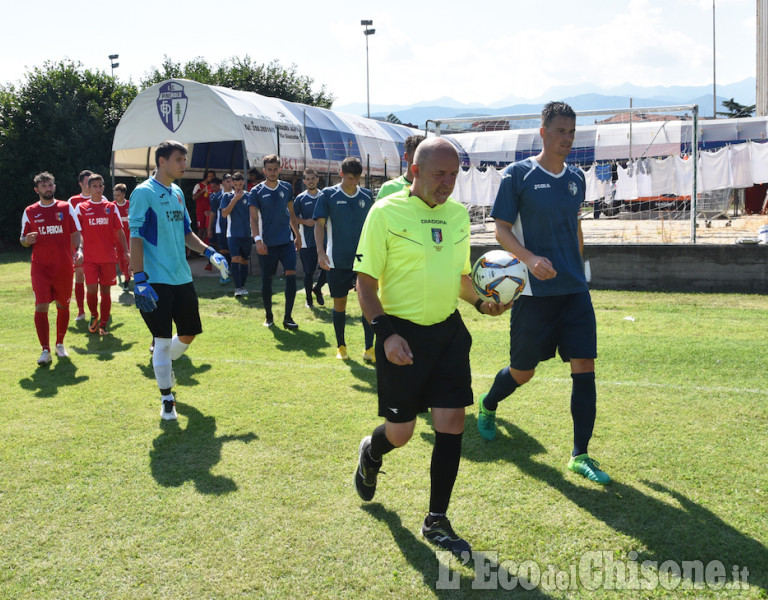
[(273, 200), (163, 289), (341, 210), (218, 224), (304, 208), (214, 221), (239, 240), (537, 219)]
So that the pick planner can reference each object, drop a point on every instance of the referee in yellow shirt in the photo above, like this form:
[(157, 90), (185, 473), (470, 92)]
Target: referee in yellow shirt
[(413, 265)]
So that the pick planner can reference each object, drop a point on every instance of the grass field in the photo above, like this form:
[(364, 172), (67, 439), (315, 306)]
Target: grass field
[(249, 494)]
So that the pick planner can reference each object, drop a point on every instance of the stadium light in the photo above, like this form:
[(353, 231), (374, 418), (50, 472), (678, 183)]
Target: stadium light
[(365, 23), (112, 59)]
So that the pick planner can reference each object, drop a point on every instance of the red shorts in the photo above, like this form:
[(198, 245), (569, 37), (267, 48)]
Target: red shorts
[(100, 273), (47, 289)]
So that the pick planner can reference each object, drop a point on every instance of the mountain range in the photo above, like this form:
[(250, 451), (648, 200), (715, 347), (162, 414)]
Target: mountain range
[(581, 97)]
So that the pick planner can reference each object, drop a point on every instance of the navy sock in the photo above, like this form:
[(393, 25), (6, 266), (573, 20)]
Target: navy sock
[(290, 295), (443, 470), (339, 321), (243, 274), (321, 279), (266, 294), (367, 333), (380, 445), (503, 386), (235, 274), (583, 410)]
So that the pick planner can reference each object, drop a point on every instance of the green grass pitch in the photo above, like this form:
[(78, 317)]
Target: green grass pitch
[(249, 494)]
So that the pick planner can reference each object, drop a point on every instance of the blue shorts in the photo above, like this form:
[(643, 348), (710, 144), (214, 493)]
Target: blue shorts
[(221, 242), (285, 254), (541, 325), (240, 246), (340, 281)]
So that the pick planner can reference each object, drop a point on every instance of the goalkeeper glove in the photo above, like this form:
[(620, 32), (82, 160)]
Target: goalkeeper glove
[(218, 261), (143, 294)]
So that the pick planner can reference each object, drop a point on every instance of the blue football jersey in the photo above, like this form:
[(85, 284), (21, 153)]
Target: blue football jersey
[(543, 208), (304, 207), (158, 215), (344, 217), (239, 220), (273, 206)]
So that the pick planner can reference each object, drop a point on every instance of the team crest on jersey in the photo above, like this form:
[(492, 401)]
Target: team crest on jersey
[(59, 216), (172, 105), (573, 188), (361, 203), (437, 235)]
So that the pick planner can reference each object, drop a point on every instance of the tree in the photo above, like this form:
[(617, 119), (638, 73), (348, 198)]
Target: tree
[(62, 119), (736, 110), (243, 74)]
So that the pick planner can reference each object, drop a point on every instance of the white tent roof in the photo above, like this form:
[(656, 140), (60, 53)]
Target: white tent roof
[(224, 126)]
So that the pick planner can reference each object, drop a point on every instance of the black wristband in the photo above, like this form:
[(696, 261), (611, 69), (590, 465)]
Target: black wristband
[(382, 327), (478, 303)]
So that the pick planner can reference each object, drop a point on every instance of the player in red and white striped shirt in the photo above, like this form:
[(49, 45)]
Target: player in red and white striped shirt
[(51, 227), (100, 223)]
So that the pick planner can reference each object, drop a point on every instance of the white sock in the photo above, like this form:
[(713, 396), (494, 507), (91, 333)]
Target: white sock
[(161, 361), (177, 347)]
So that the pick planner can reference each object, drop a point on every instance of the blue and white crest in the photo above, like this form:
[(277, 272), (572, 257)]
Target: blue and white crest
[(172, 105), (437, 235), (573, 188)]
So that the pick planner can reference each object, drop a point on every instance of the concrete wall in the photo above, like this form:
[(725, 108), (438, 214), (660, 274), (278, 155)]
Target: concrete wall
[(679, 268), (657, 267)]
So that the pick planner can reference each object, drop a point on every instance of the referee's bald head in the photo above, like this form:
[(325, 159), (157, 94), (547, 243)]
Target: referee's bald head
[(427, 148), (435, 168)]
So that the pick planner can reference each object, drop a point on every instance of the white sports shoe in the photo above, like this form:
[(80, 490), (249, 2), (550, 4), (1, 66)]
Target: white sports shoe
[(80, 317), (168, 412), (61, 351), (45, 357)]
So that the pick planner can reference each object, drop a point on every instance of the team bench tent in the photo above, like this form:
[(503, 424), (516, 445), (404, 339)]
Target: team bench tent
[(229, 130)]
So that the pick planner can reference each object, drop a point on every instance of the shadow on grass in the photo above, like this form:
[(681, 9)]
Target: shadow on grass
[(189, 454), (365, 373), (678, 530), (46, 381), (447, 580), (312, 344), (103, 347), (183, 369)]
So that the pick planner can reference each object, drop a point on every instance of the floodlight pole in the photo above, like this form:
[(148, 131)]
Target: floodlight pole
[(365, 23), (714, 66), (112, 59)]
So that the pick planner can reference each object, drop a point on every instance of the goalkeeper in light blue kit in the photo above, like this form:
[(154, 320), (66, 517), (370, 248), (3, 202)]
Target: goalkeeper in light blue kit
[(163, 289)]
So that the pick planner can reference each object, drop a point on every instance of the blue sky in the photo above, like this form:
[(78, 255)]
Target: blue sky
[(420, 51)]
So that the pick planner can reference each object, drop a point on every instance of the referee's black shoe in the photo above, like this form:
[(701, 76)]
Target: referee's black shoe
[(290, 324), (438, 531), (366, 472)]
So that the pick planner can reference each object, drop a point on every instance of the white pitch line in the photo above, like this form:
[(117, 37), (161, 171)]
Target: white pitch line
[(343, 366)]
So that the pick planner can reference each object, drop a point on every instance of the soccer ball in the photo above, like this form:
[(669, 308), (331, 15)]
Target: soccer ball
[(498, 276)]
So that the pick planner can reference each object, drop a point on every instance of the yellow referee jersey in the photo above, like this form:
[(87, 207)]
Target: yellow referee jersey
[(418, 255)]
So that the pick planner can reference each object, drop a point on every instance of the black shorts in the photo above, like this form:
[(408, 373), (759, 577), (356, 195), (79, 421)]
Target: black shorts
[(176, 304), (439, 377), (542, 325), (340, 281)]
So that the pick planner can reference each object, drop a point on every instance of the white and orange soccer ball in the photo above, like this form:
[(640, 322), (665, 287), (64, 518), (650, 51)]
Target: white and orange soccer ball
[(498, 276)]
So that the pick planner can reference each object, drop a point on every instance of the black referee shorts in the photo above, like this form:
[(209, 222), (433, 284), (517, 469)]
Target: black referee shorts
[(176, 304), (439, 377)]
